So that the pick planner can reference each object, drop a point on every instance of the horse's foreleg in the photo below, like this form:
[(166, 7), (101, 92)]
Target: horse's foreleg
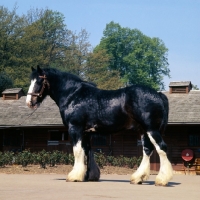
[(78, 171), (143, 171), (166, 172), (93, 172)]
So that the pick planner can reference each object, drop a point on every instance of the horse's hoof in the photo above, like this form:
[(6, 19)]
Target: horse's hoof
[(139, 183), (93, 180), (73, 180), (160, 184)]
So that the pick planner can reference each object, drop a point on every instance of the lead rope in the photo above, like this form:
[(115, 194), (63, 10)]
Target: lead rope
[(27, 117)]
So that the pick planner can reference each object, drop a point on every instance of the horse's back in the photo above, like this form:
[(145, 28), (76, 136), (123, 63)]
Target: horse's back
[(149, 107), (122, 108)]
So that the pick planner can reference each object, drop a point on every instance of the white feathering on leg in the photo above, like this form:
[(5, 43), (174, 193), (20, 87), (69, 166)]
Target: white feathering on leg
[(143, 172), (78, 172), (166, 172)]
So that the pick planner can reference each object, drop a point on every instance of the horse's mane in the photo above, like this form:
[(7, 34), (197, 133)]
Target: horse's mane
[(70, 77)]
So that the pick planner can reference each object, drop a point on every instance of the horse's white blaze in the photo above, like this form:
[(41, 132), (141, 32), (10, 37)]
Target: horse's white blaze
[(143, 172), (28, 98), (78, 172), (166, 172)]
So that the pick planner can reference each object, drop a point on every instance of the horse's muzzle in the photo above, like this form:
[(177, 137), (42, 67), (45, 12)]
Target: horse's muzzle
[(32, 105)]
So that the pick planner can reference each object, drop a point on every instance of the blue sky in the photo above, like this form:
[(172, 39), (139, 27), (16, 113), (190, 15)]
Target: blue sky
[(175, 22)]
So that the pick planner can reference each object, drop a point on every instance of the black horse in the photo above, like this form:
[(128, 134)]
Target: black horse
[(86, 109)]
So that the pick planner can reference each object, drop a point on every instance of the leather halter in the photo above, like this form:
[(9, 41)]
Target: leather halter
[(44, 84)]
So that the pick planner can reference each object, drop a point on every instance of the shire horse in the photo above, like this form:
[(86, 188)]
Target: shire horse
[(84, 109)]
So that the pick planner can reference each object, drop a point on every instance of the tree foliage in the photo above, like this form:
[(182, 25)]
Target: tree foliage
[(77, 53), (139, 58), (5, 82), (10, 25), (47, 36), (40, 37), (97, 71), (195, 87)]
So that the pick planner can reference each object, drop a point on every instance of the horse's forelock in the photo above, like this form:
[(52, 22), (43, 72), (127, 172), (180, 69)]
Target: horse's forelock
[(35, 74)]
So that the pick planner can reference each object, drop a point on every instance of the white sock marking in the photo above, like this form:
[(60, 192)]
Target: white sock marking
[(78, 171), (143, 172), (166, 172)]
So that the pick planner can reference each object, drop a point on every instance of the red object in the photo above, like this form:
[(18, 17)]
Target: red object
[(187, 154)]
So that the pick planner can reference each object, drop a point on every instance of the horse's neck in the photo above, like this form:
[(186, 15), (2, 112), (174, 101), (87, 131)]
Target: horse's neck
[(62, 89)]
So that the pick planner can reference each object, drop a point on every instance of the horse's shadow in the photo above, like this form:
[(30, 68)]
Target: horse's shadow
[(107, 180), (170, 184)]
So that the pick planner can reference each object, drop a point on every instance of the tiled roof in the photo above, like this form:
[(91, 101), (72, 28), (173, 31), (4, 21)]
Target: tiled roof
[(15, 112), (12, 91), (183, 108), (180, 83)]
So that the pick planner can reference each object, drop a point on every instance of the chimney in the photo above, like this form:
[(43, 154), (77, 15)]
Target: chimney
[(180, 87), (12, 94)]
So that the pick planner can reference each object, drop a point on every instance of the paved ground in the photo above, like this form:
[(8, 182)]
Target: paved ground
[(54, 186)]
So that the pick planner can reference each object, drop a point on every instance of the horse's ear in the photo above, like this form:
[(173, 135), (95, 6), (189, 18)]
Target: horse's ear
[(33, 69), (40, 71)]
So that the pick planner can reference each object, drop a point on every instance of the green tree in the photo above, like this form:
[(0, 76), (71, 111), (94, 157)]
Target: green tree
[(139, 58), (40, 37), (45, 38), (97, 71), (77, 53), (195, 87), (10, 28), (5, 82)]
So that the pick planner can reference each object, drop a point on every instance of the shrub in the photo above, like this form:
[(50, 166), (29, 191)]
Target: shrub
[(119, 161), (42, 158), (6, 158), (100, 159), (55, 158), (24, 158), (2, 160), (131, 162), (110, 160)]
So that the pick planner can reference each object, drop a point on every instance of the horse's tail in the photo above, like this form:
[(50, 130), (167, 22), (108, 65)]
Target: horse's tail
[(165, 113)]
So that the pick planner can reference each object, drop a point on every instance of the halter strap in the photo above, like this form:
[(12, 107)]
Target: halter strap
[(44, 84)]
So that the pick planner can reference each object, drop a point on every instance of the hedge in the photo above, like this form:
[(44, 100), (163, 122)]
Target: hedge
[(44, 158)]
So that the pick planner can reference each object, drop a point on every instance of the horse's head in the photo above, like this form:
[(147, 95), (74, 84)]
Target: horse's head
[(38, 89)]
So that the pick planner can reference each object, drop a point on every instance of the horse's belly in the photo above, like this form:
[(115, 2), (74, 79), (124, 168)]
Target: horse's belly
[(111, 124)]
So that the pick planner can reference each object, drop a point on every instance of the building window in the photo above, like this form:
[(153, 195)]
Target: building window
[(194, 140), (12, 140), (58, 135)]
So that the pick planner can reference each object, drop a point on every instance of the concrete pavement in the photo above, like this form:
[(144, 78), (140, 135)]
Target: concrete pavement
[(54, 186)]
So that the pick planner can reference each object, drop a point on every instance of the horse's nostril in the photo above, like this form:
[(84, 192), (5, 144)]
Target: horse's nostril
[(31, 104)]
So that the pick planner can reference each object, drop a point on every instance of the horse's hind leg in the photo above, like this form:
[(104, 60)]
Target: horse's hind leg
[(78, 171), (93, 172), (143, 172), (166, 171)]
